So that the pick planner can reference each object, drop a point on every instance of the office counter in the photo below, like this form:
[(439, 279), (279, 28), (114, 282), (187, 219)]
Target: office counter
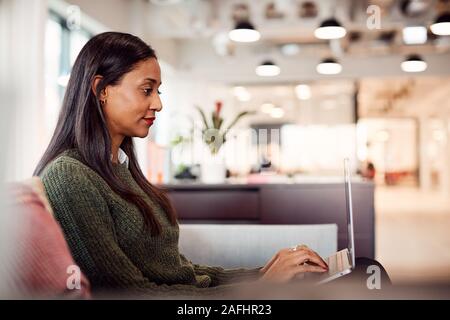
[(296, 203)]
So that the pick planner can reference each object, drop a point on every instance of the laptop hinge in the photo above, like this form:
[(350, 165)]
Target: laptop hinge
[(350, 260)]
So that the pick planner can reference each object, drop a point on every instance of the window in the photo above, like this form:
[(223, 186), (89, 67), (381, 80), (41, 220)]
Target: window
[(62, 46)]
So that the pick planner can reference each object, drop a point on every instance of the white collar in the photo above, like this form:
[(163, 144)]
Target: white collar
[(122, 157)]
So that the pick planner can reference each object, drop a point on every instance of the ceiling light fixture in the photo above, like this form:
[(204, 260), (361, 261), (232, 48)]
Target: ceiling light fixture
[(414, 63), (441, 26), (242, 94), (414, 35), (329, 66), (267, 107), (290, 49), (330, 29), (303, 92), (267, 69), (244, 32), (277, 113)]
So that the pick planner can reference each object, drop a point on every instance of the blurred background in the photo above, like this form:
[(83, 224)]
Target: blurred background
[(322, 80)]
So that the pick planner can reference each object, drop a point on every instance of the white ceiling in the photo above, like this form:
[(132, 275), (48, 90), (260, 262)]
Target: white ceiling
[(191, 36), (199, 29)]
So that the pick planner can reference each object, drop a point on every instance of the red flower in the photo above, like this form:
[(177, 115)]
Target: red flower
[(218, 107)]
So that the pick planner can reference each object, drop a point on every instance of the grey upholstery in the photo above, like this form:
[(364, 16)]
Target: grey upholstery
[(246, 245)]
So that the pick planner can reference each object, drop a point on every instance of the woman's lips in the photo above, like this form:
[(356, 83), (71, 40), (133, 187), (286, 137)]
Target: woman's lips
[(149, 121)]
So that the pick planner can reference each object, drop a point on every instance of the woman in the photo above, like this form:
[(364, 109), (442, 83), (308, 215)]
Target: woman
[(121, 230)]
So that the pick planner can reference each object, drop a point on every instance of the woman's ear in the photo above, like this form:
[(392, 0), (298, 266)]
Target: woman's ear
[(95, 83)]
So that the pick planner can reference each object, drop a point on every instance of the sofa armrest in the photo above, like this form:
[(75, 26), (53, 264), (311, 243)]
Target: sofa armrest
[(246, 245)]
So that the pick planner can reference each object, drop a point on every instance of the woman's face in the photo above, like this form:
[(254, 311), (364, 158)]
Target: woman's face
[(130, 106)]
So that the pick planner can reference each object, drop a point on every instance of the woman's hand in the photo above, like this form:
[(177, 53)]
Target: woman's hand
[(290, 262)]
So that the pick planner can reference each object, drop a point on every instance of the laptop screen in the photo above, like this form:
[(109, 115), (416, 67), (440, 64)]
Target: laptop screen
[(349, 209)]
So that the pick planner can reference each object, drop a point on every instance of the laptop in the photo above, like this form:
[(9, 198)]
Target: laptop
[(343, 261)]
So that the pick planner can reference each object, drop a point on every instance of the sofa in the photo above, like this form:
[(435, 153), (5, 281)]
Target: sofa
[(42, 264), (251, 245), (43, 261)]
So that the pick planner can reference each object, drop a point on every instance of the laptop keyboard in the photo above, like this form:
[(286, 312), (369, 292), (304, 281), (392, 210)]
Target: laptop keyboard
[(337, 262)]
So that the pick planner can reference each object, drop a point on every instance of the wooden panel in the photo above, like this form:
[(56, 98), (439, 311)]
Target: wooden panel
[(216, 204), (316, 204)]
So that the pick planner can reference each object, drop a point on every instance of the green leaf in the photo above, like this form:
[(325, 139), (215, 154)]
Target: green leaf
[(239, 116), (177, 140), (203, 117), (215, 120), (220, 123)]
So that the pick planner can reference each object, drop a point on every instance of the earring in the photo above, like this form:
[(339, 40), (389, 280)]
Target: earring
[(102, 102)]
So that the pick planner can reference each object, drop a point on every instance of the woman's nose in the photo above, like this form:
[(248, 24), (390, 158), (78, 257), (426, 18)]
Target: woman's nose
[(156, 104)]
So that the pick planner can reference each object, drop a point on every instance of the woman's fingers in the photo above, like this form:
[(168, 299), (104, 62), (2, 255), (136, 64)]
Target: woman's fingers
[(318, 259), (287, 263), (314, 258), (304, 247), (299, 265), (285, 267), (323, 263), (309, 268), (306, 256)]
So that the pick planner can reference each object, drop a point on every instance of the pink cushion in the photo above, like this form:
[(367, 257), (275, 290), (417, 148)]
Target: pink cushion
[(44, 265)]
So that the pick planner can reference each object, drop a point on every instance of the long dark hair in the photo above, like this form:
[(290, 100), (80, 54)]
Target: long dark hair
[(81, 124)]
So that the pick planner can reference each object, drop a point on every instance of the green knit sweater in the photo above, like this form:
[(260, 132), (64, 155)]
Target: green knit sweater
[(108, 241)]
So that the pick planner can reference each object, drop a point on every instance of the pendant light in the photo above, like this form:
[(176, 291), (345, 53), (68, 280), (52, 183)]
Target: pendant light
[(267, 69), (303, 92), (329, 66), (414, 63), (330, 29), (277, 113), (244, 32), (267, 107), (441, 26), (414, 35)]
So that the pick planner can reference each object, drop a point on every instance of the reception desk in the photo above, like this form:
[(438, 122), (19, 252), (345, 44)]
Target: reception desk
[(299, 203)]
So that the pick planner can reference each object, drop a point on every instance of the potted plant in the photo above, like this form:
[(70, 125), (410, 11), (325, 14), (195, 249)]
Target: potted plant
[(215, 135)]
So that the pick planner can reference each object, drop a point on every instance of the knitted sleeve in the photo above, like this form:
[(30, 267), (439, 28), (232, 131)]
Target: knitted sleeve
[(220, 276), (89, 231)]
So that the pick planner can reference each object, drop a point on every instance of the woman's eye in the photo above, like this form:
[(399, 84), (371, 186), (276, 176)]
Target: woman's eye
[(148, 91)]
